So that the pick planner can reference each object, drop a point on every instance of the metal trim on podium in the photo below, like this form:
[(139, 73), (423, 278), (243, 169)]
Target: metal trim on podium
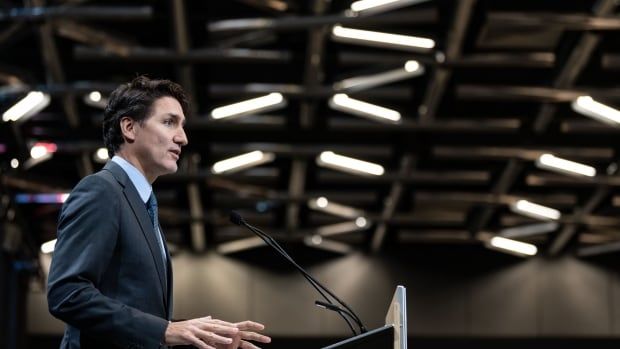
[(391, 336)]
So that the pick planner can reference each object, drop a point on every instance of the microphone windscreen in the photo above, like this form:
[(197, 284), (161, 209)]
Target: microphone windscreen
[(236, 218)]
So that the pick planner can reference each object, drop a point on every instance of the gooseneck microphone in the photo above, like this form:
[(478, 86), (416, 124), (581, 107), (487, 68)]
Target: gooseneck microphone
[(345, 312)]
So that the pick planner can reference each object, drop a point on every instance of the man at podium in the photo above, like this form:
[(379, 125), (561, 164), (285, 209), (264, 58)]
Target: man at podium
[(111, 278)]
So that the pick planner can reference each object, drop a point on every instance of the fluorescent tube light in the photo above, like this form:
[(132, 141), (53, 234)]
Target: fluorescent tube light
[(513, 246), (529, 229), (28, 106), (553, 163), (413, 67), (95, 96), (347, 164), (376, 6), (361, 222), (322, 204), (346, 104), (338, 229), (242, 162), (596, 110), (38, 152), (533, 210), (96, 99), (410, 69), (101, 155), (317, 241), (41, 149), (269, 102), (48, 247), (366, 37)]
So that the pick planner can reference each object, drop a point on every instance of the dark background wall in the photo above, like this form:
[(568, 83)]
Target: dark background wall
[(454, 293)]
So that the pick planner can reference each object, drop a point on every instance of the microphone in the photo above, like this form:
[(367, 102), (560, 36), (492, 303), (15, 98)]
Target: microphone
[(237, 219), (334, 307)]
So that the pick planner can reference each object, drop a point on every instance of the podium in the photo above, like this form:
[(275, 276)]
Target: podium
[(391, 336)]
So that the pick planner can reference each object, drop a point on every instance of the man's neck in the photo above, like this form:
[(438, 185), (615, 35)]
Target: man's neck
[(134, 161)]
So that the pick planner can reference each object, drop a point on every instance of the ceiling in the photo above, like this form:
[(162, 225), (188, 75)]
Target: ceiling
[(495, 94)]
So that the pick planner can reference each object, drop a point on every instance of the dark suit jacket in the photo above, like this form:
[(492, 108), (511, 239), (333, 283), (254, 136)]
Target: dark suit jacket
[(107, 280)]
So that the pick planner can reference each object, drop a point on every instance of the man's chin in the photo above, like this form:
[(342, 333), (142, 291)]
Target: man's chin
[(169, 169)]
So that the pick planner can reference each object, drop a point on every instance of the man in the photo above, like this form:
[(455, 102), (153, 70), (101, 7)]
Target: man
[(111, 279)]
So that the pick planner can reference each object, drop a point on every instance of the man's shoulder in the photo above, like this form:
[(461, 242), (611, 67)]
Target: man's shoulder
[(95, 189), (102, 180)]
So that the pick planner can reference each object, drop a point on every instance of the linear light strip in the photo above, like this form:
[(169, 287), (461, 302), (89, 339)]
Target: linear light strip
[(376, 6), (596, 110), (347, 164), (241, 162), (529, 229), (48, 247), (34, 102), (554, 163), (344, 103), (410, 69), (322, 204), (513, 246), (269, 102), (358, 36), (533, 210)]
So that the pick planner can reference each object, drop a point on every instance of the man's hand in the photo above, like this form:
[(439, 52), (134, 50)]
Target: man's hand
[(203, 333), (247, 332)]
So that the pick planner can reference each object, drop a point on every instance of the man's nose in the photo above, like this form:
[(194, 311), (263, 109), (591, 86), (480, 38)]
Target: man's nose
[(181, 138)]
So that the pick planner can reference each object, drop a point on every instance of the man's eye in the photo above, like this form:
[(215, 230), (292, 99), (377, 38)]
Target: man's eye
[(168, 122)]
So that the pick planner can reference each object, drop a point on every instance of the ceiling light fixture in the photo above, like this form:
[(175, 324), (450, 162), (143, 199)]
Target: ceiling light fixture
[(269, 102), (361, 222), (372, 38), (344, 103), (241, 162), (554, 163), (536, 211), (95, 96), (28, 106), (101, 155), (338, 229), (317, 241), (322, 204), (41, 149), (596, 110), (410, 69), (376, 6), (513, 246), (96, 99), (529, 229), (48, 247), (344, 163)]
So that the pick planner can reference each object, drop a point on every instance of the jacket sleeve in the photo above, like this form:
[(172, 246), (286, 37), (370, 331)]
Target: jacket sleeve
[(88, 229)]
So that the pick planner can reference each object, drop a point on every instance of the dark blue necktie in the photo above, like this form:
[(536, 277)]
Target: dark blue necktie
[(151, 208)]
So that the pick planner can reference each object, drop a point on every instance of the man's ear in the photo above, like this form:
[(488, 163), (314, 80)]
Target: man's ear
[(128, 128)]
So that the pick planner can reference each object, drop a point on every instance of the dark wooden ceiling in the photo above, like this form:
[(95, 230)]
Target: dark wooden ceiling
[(495, 94)]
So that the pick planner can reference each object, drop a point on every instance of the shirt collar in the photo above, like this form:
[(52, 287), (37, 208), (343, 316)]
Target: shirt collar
[(143, 186)]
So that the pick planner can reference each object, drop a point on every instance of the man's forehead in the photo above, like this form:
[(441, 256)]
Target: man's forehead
[(168, 106)]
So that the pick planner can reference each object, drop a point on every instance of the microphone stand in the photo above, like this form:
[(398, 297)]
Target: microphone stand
[(237, 219)]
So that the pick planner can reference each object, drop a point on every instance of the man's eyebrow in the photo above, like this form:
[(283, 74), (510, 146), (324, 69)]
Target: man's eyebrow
[(178, 117)]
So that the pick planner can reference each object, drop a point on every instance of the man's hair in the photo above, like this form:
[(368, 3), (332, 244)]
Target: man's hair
[(135, 100)]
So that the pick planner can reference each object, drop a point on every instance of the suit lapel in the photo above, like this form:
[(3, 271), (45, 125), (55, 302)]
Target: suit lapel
[(139, 210)]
